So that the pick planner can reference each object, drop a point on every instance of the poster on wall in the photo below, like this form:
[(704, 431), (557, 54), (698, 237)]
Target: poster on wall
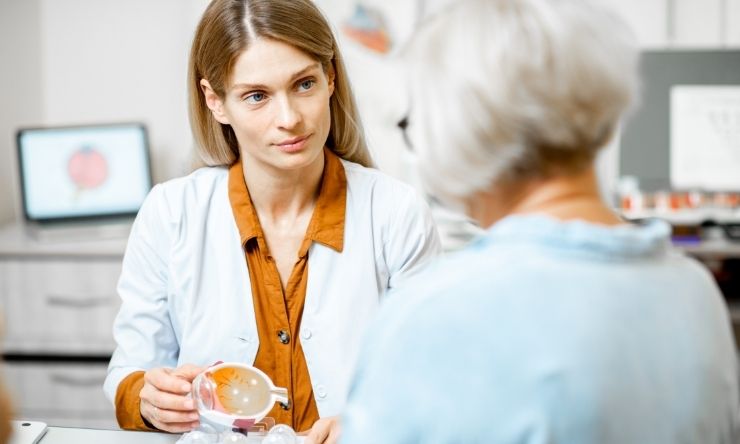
[(380, 27), (705, 137), (372, 35)]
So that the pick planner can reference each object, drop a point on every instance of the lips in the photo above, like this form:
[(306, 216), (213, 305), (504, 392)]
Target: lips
[(294, 144), (292, 141)]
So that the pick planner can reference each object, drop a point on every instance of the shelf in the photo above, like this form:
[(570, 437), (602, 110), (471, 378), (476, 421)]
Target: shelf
[(71, 241), (711, 249), (686, 217)]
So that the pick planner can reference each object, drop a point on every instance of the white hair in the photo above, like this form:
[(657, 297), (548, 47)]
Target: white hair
[(509, 90)]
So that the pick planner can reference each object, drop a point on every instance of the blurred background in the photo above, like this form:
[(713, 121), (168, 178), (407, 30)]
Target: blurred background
[(99, 62)]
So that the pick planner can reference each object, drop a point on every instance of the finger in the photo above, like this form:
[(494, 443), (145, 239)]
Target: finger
[(175, 416), (333, 437), (164, 400), (318, 433), (148, 412), (188, 371), (164, 381), (167, 420), (335, 430)]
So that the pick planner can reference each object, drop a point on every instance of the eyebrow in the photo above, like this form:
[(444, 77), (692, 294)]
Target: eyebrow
[(295, 76)]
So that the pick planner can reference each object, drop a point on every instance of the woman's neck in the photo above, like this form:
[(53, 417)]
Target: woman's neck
[(564, 198), (283, 195)]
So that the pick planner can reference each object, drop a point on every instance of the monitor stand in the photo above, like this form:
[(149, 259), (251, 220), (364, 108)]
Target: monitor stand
[(80, 230)]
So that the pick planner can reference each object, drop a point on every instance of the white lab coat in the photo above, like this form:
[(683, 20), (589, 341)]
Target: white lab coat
[(186, 295)]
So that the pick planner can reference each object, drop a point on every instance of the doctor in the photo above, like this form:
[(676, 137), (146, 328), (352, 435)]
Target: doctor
[(280, 251)]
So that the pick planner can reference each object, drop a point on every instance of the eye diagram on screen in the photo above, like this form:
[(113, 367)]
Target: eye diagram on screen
[(89, 171), (87, 168)]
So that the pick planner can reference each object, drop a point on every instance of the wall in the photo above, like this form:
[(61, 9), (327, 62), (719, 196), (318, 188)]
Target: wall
[(21, 90), (89, 61), (682, 23), (381, 94), (672, 24), (127, 63), (83, 61)]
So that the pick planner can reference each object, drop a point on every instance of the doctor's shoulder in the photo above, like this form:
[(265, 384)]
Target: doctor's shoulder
[(173, 199), (387, 194)]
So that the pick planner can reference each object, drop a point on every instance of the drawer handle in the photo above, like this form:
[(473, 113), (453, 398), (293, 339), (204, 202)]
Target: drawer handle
[(72, 302), (91, 381)]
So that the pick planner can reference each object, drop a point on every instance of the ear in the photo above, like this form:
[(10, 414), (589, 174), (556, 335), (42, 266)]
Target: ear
[(330, 75), (214, 102)]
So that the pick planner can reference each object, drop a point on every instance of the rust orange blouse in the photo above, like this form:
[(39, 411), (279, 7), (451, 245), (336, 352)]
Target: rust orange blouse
[(278, 313)]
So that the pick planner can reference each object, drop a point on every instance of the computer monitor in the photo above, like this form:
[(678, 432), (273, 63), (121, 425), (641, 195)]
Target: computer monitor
[(83, 172), (703, 85)]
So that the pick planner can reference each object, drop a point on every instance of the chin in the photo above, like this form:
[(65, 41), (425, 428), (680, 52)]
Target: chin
[(300, 159)]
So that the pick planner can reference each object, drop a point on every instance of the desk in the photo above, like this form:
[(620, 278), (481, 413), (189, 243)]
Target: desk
[(71, 435)]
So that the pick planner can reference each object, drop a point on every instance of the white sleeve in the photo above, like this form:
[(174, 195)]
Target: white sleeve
[(142, 330), (412, 240)]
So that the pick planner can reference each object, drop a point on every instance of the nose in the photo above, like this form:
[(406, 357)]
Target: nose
[(288, 116)]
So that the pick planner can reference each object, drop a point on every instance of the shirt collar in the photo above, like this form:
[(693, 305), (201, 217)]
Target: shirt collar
[(627, 240), (241, 205), (327, 221)]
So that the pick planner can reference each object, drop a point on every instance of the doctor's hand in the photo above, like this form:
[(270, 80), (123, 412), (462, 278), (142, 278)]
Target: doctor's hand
[(164, 398), (324, 431)]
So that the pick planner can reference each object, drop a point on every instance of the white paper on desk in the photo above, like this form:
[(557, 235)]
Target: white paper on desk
[(705, 137)]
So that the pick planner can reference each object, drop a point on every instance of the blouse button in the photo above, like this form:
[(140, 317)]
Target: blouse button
[(283, 336)]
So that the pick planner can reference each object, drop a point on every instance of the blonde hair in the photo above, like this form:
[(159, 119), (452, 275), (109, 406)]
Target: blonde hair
[(512, 90), (226, 30)]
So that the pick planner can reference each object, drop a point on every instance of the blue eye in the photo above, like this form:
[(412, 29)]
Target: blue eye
[(255, 98), (306, 84)]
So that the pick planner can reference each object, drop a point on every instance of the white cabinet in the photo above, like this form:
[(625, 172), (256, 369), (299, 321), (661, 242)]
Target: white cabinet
[(58, 305), (58, 299), (60, 393)]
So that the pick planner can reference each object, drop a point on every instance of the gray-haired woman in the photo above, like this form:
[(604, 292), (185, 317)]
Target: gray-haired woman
[(562, 324)]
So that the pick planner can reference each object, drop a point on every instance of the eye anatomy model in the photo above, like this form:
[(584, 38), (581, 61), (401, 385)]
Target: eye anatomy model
[(235, 395), (239, 392), (87, 168), (231, 398)]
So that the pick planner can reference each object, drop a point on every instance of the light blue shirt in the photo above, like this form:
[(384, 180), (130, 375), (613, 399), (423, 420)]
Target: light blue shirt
[(551, 332)]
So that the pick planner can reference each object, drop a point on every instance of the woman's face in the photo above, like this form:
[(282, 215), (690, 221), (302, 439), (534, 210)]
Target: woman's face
[(277, 102)]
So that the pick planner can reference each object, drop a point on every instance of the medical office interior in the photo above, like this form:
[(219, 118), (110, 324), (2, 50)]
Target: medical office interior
[(121, 66)]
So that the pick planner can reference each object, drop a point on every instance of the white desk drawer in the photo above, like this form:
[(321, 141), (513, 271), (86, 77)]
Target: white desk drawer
[(59, 393), (59, 306)]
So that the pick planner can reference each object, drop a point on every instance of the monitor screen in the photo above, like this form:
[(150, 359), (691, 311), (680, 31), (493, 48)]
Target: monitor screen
[(83, 172)]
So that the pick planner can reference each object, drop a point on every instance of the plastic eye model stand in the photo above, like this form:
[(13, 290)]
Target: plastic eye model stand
[(231, 398)]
